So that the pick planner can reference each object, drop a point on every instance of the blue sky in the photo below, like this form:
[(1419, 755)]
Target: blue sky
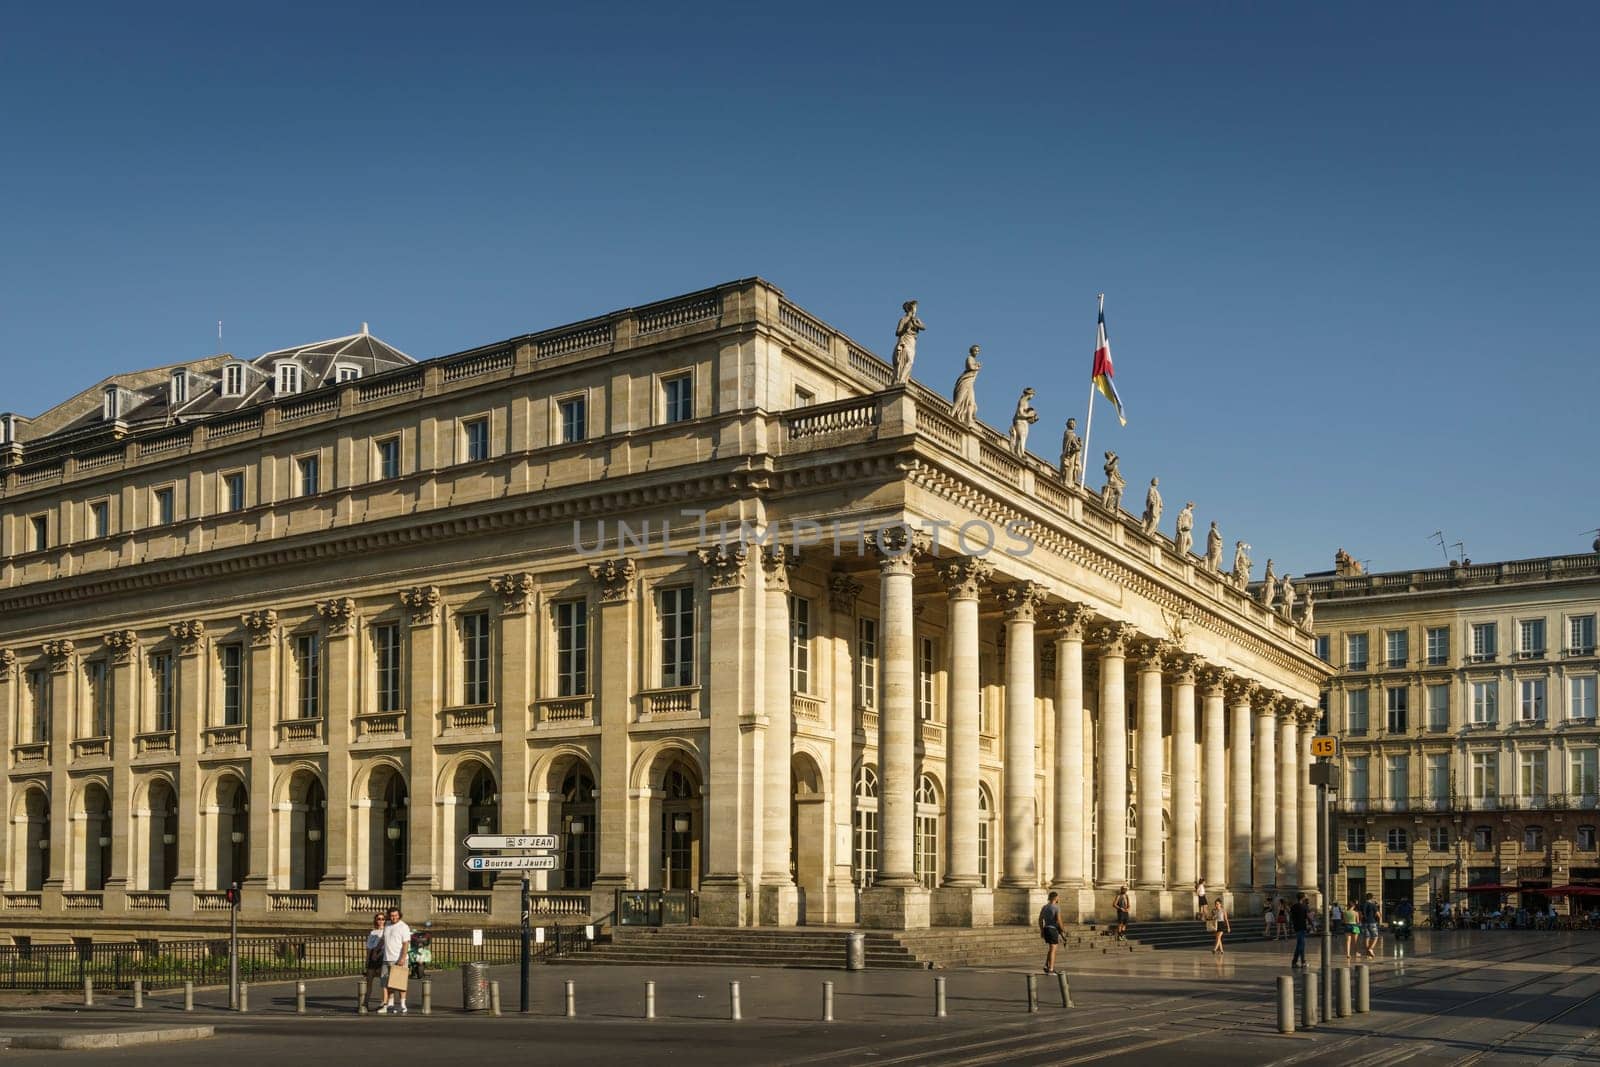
[(1348, 251)]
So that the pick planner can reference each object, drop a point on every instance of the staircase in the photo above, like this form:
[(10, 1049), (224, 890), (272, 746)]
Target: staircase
[(1183, 934)]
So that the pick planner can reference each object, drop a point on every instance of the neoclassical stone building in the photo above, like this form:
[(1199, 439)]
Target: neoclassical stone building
[(696, 585)]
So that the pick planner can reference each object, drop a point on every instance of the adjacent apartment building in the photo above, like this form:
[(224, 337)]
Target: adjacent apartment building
[(1465, 702)]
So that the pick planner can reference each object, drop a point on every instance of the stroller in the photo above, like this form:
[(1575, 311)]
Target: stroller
[(421, 952)]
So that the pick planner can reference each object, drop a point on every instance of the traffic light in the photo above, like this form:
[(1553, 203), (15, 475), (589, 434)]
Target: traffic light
[(233, 895)]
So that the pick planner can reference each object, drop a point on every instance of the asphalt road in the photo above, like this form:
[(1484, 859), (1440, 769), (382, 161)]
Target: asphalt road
[(1495, 998)]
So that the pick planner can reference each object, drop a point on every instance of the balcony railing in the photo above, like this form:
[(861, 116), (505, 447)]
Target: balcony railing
[(74, 900), (461, 903), (211, 900), (91, 748), (156, 742), (31, 752), (556, 711), (473, 717), (369, 902), (149, 900), (380, 724), (299, 731), (291, 902), (682, 702), (807, 708), (23, 901), (233, 735)]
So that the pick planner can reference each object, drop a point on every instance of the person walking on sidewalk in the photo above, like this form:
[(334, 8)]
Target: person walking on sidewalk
[(1123, 906), (396, 943), (1050, 929), (1371, 915), (1217, 922), (374, 971), (1300, 921)]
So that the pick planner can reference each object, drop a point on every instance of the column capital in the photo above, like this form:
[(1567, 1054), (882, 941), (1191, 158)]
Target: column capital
[(8, 660), (1021, 601), (1071, 620), (423, 603), (189, 634), (515, 592), (615, 577), (1285, 708), (776, 563), (1240, 690), (1309, 715), (1151, 656), (965, 576), (338, 613), (1115, 638), (1185, 667), (899, 547), (843, 592), (60, 653), (263, 626), (1214, 680), (725, 563)]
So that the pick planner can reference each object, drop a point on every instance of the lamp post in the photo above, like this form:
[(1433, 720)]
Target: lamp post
[(1324, 775)]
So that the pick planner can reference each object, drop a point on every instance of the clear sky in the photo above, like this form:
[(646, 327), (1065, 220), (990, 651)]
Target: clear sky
[(1349, 251)]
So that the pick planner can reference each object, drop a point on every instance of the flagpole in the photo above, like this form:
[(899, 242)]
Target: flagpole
[(1088, 423)]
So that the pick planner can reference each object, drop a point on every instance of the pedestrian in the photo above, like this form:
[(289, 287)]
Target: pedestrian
[(1283, 920), (1200, 894), (1371, 915), (1352, 928), (374, 971), (1269, 918), (1300, 920), (1050, 929), (396, 944), (1217, 922), (1123, 906)]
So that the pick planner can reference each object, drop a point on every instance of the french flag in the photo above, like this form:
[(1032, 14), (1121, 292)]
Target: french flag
[(1103, 372)]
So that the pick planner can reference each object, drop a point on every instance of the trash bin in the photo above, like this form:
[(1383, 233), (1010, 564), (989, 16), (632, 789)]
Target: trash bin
[(855, 951), (475, 986)]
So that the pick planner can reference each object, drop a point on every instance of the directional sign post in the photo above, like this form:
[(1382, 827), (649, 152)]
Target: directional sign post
[(515, 843), (510, 863), (1325, 746), (533, 842)]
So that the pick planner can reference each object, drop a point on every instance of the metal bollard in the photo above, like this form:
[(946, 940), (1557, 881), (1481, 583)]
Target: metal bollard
[(138, 992), (572, 999), (733, 1002), (88, 992), (649, 999), (1066, 990), (244, 997), (938, 999), (427, 996), (1363, 990), (1341, 992), (361, 997), (1285, 1004), (188, 996), (1308, 1001), (494, 998), (827, 1002), (299, 998), (1033, 994)]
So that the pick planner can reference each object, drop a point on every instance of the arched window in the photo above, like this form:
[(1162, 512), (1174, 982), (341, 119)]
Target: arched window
[(928, 818), (1533, 838), (396, 833), (985, 834), (1398, 839), (1130, 865), (680, 829), (865, 856), (483, 817), (578, 829)]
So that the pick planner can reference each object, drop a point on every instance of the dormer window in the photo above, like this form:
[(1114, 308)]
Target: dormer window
[(233, 380), (346, 373), (179, 391), (116, 404), (288, 378), (8, 428)]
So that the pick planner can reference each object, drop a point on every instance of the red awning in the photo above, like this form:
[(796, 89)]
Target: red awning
[(1491, 888), (1573, 891)]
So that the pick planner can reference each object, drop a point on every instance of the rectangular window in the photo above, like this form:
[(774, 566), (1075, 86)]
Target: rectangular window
[(233, 380), (39, 697), (866, 663), (165, 692), (475, 659), (41, 532), (97, 694), (1438, 708), (1438, 646), (1398, 700), (164, 506), (1485, 641), (346, 373), (1581, 697), (1530, 699), (1584, 779), (1586, 838), (1396, 648), (927, 856), (231, 661), (1323, 651), (925, 678), (804, 398), (288, 379), (475, 440), (677, 636), (1485, 702), (309, 475), (389, 459), (1398, 773), (572, 648), (574, 419), (1486, 775), (1531, 639), (1355, 838), (1439, 839), (387, 656), (677, 397), (1580, 635), (100, 519), (233, 491), (1358, 778), (799, 644), (1355, 647), (1355, 711), (1531, 779), (1438, 777), (308, 675)]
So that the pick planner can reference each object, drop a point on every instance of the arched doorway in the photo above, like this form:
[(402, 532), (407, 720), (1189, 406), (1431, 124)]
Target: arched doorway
[(231, 862), (161, 851), (483, 816), (302, 823), (679, 852), (31, 864), (930, 831), (92, 839), (808, 831), (985, 837), (392, 826), (579, 826)]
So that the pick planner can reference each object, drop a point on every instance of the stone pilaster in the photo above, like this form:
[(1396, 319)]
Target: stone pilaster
[(62, 659), (612, 670), (1072, 770), (732, 865), (122, 650), (1111, 856), (780, 900), (516, 593), (187, 723), (1241, 791), (262, 702), (963, 899), (1020, 872), (1309, 841), (425, 812)]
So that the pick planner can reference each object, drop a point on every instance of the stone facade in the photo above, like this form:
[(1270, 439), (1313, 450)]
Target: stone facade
[(1465, 706), (500, 591)]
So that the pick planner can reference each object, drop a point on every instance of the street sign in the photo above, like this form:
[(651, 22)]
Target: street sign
[(1324, 746), (510, 863), (537, 842)]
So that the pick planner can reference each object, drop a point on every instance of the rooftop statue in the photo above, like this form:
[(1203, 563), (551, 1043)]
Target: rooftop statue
[(964, 399), (905, 345)]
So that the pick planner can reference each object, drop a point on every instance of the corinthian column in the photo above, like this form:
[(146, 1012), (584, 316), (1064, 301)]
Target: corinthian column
[(1150, 768), (1266, 799), (1111, 822), (1020, 602), (1308, 804), (1184, 829), (1289, 774), (1240, 824), (1070, 769), (780, 900), (1214, 783), (964, 579)]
